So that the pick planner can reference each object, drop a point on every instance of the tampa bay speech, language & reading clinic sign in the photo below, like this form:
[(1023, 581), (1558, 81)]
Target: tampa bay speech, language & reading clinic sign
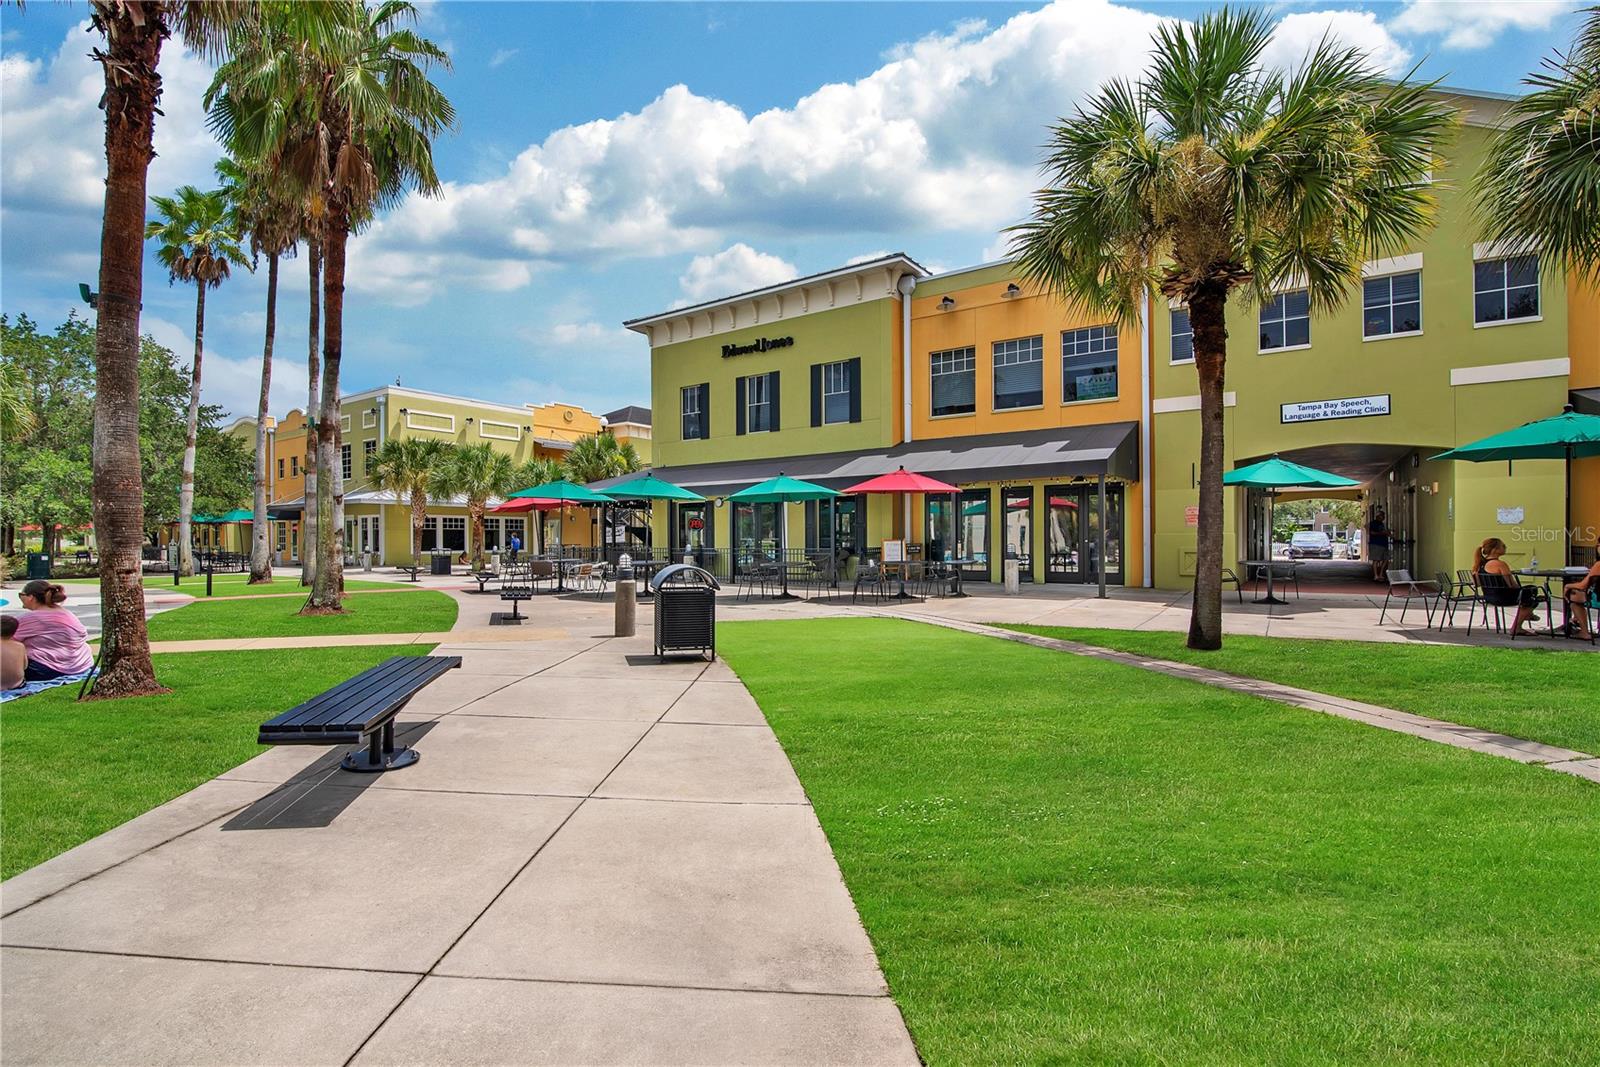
[(760, 344), (1350, 407)]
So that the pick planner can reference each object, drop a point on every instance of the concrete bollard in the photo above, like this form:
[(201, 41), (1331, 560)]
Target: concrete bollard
[(627, 605), (1013, 577)]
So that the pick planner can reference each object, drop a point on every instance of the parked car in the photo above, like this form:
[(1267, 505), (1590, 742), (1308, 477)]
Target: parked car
[(1310, 544)]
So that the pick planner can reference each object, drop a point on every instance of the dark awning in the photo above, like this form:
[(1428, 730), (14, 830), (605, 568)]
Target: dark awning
[(283, 512), (1067, 452), (1586, 401)]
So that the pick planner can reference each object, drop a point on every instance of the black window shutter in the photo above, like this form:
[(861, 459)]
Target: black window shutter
[(705, 410), (816, 394), (772, 396), (738, 400), (855, 389)]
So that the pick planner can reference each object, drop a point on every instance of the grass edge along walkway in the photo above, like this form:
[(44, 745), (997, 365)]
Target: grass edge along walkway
[(1523, 750), (1060, 860), (409, 612), (1542, 694)]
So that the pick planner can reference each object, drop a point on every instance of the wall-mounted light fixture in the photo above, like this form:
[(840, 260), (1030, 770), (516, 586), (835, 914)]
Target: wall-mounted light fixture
[(527, 429), (405, 411), (1012, 291), (946, 304), (469, 420)]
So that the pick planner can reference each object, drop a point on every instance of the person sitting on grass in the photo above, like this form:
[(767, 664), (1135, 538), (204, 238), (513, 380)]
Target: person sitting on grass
[(13, 656), (1500, 586), (56, 641), (1577, 593)]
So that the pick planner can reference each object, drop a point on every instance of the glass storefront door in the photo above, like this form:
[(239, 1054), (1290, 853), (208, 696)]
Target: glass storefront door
[(1072, 534), (940, 527), (973, 535), (691, 529), (755, 534), (1017, 503)]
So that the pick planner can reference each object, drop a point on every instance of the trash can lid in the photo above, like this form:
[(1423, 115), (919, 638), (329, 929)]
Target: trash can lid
[(684, 574)]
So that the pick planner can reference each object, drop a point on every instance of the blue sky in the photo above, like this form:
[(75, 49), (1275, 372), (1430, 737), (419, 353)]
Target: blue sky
[(613, 160)]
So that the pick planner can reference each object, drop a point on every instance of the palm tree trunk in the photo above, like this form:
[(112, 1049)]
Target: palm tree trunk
[(1206, 316), (475, 513), (329, 582), (419, 518), (308, 509), (261, 548), (133, 48), (191, 430)]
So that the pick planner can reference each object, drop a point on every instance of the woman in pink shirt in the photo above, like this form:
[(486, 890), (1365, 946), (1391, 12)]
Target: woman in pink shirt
[(56, 641)]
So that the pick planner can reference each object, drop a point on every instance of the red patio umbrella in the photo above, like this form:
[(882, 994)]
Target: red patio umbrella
[(526, 504), (907, 482)]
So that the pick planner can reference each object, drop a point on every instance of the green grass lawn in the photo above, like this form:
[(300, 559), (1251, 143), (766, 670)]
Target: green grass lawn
[(1543, 694), (70, 771), (228, 585), (1061, 860), (410, 611)]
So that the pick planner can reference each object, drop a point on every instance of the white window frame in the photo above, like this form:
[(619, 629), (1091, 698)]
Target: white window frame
[(369, 448), (344, 423), (835, 382), (751, 403), (515, 429), (1172, 332), (411, 421), (347, 461), (454, 522), (689, 404), (1504, 290), (1013, 352), (1285, 320), (1389, 276), (369, 418), (949, 361), (1089, 336)]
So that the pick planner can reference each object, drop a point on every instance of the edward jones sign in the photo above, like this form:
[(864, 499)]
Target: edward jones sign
[(1350, 407)]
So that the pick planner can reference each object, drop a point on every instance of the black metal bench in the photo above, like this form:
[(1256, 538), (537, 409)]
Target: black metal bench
[(483, 578), (413, 571), (361, 710), (516, 585)]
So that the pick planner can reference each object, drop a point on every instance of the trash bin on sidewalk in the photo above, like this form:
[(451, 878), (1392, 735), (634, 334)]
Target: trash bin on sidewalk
[(441, 561), (38, 565), (686, 610)]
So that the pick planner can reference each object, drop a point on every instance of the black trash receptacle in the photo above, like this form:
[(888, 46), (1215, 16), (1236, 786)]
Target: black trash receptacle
[(686, 610), (441, 561), (38, 565)]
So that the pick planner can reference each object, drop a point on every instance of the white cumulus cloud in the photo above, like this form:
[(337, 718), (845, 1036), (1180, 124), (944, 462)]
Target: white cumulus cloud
[(736, 269), (232, 383), (1476, 25), (1299, 33)]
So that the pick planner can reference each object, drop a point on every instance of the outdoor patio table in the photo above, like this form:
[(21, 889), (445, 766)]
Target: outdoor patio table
[(957, 566), (644, 570), (1563, 575), (1269, 564)]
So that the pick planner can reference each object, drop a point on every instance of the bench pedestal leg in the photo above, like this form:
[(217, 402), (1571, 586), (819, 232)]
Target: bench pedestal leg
[(380, 754)]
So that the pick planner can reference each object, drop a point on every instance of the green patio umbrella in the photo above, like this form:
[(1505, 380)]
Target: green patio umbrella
[(237, 515), (649, 487), (1274, 474), (1566, 436), (568, 493), (783, 490)]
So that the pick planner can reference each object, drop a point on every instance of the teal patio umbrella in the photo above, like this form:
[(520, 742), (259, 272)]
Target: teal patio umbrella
[(1566, 436), (567, 493), (1274, 474), (648, 487), (783, 490)]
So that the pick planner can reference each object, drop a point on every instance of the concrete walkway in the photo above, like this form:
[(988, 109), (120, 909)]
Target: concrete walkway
[(598, 859)]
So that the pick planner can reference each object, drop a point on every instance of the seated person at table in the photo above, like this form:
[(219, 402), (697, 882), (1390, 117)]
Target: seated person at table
[(1500, 586), (13, 657), (1577, 593), (56, 641)]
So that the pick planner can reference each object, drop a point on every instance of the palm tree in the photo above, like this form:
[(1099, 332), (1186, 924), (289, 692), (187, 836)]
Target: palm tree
[(537, 471), (1216, 174), (478, 472), (354, 79), (600, 456), (410, 467), (1540, 179), (272, 224), (199, 241), (17, 419), (132, 34)]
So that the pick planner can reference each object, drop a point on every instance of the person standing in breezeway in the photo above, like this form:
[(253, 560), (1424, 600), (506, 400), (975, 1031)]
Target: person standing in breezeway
[(1378, 545)]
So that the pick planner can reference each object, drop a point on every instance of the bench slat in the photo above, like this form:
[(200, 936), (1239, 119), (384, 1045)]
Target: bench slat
[(318, 709), (355, 705)]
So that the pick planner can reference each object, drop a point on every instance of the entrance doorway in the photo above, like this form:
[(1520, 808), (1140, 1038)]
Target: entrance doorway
[(972, 535), (1017, 504), (1072, 534)]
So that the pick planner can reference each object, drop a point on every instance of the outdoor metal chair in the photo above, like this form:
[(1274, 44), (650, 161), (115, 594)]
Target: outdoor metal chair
[(1406, 589), (1230, 575), (872, 579), (1453, 591)]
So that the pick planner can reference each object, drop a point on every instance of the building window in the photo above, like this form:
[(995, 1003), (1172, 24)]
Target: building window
[(835, 392), (1182, 335), (758, 402), (280, 468), (1088, 364), (1286, 320), (430, 533), (693, 413), (1019, 373), (1391, 305), (1505, 290), (294, 466), (369, 450), (283, 533), (953, 389), (453, 532), (345, 468)]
